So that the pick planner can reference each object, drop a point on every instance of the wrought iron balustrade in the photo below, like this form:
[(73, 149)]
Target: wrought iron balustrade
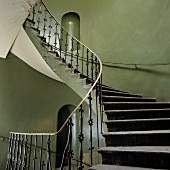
[(37, 150)]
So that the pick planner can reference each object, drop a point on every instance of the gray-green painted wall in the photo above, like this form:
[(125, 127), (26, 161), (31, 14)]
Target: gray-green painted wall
[(29, 101), (126, 31)]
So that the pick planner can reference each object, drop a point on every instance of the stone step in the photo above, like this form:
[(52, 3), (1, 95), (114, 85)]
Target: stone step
[(117, 167), (135, 105), (126, 99), (138, 138), (138, 124), (137, 114), (150, 156), (117, 93), (104, 87)]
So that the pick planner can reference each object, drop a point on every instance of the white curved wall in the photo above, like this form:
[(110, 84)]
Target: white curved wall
[(24, 49), (13, 38), (12, 16)]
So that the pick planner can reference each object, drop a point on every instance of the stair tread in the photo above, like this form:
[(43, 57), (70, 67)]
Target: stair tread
[(120, 92), (154, 149), (136, 120), (136, 103), (116, 167), (139, 110), (111, 89), (137, 132), (124, 97)]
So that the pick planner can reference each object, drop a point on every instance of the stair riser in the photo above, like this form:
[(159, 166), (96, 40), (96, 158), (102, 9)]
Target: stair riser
[(139, 159), (109, 99), (138, 114), (138, 140), (131, 106), (138, 125)]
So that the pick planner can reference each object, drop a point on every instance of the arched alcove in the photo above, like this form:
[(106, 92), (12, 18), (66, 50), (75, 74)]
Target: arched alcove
[(71, 22), (62, 138)]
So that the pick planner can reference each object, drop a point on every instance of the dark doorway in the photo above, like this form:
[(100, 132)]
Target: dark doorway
[(62, 138)]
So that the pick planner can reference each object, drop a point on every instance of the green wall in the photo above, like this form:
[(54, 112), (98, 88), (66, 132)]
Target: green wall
[(29, 101), (126, 31)]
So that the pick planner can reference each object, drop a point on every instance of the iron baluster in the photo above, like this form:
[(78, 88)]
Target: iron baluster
[(61, 41), (66, 152), (70, 151), (97, 114), (81, 138), (99, 91), (82, 63), (96, 69), (41, 152), (50, 27), (96, 74), (35, 153), (66, 46), (97, 88), (87, 64), (77, 54), (29, 158), (8, 164), (14, 150), (45, 22), (39, 16), (56, 36), (92, 67), (48, 164), (72, 49), (91, 131), (33, 14), (21, 152), (101, 106), (25, 153), (17, 152)]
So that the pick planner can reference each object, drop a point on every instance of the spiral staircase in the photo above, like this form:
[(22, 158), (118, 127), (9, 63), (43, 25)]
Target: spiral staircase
[(135, 128)]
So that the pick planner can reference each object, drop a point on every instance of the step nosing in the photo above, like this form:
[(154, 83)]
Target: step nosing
[(140, 110), (121, 92), (136, 103), (126, 97), (153, 149), (137, 132), (112, 89), (137, 120)]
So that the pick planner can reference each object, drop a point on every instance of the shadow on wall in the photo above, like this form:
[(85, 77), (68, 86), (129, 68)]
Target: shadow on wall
[(139, 69)]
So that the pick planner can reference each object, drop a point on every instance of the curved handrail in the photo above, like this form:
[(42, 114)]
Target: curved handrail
[(78, 106)]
